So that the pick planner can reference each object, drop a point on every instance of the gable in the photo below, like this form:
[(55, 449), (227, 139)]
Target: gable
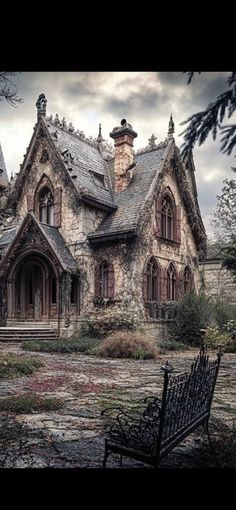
[(35, 237), (131, 201)]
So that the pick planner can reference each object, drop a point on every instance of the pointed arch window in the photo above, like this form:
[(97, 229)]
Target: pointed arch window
[(187, 280), (46, 206), (151, 280), (104, 280), (171, 283), (167, 218)]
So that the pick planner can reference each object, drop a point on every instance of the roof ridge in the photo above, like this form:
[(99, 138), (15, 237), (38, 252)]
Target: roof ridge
[(62, 125), (149, 148)]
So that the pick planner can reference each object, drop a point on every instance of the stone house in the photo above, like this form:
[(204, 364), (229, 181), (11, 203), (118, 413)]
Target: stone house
[(87, 225)]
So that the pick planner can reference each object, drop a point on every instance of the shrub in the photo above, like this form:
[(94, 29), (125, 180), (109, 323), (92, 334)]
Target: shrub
[(192, 313), (223, 312), (127, 344), (12, 365), (214, 338), (66, 345), (105, 321), (230, 327)]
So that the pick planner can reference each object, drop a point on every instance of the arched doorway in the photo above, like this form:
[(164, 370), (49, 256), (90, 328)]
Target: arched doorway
[(30, 285), (33, 290)]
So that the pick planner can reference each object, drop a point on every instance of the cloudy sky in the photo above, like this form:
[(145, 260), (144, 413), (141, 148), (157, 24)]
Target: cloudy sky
[(145, 99)]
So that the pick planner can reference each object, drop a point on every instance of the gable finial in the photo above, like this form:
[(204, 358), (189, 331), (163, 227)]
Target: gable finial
[(171, 128), (152, 145), (41, 106), (100, 138)]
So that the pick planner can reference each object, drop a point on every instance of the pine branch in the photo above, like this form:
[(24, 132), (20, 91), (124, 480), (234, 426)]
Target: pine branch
[(191, 75), (229, 140), (204, 122)]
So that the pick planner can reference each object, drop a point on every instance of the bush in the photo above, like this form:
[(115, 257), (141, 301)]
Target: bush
[(192, 314), (66, 345), (223, 312), (12, 365), (214, 338), (127, 345), (230, 327), (105, 321)]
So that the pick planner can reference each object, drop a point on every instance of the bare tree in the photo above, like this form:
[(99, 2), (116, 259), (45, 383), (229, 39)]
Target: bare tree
[(8, 89), (224, 216), (210, 120)]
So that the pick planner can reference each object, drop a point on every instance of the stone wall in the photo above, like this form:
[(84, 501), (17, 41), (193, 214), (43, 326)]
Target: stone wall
[(217, 282), (77, 220), (129, 258)]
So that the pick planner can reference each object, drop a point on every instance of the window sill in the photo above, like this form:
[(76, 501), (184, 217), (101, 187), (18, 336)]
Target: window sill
[(170, 241)]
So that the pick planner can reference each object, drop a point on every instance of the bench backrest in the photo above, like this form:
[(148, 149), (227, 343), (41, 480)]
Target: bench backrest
[(186, 399)]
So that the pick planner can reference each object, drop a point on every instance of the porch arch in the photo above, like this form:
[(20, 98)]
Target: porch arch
[(33, 288)]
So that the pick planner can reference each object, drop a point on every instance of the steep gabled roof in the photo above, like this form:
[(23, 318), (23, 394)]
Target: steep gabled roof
[(147, 176), (59, 246), (3, 170), (81, 162), (7, 236), (85, 165), (131, 201), (52, 236)]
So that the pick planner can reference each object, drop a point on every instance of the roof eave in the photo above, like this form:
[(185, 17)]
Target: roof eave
[(100, 205), (122, 234)]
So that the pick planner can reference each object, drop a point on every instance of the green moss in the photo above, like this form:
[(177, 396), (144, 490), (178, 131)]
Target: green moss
[(12, 365), (28, 404)]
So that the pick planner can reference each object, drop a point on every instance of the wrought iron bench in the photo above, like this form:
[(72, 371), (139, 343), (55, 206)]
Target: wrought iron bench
[(150, 434)]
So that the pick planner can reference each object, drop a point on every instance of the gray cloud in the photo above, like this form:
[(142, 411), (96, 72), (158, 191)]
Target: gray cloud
[(146, 99)]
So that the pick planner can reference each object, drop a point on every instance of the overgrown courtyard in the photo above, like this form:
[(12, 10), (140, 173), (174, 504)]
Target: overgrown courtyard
[(71, 433)]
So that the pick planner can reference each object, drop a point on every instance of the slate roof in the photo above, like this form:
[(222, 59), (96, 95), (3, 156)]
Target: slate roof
[(59, 246), (87, 162), (52, 235), (7, 236), (3, 170), (131, 201)]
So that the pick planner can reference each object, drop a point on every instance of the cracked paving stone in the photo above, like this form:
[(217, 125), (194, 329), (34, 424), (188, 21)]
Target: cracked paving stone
[(74, 435)]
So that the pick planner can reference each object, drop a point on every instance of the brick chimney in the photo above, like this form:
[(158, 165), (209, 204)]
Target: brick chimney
[(124, 154)]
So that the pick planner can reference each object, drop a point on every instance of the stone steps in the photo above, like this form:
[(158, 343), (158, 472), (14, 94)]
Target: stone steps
[(20, 334)]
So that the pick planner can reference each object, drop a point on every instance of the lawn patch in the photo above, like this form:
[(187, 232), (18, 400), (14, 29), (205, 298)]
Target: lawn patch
[(12, 365), (28, 404)]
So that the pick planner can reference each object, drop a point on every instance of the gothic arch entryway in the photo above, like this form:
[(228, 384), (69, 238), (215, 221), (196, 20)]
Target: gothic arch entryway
[(33, 290)]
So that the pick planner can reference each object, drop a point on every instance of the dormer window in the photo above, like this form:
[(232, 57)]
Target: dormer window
[(46, 207), (99, 179)]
